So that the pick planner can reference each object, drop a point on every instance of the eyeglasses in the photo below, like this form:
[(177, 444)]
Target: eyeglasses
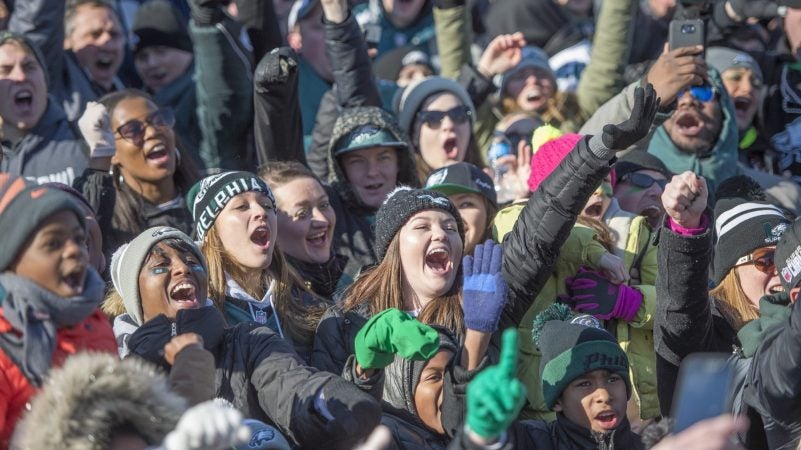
[(704, 93), (433, 119), (762, 259), (134, 130), (642, 180)]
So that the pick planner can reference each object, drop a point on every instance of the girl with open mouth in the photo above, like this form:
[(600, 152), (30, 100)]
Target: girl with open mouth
[(250, 280)]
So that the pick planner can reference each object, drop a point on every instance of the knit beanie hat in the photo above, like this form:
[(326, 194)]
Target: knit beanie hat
[(723, 59), (409, 101), (23, 206), (788, 257), (742, 226), (6, 36), (572, 346), (208, 197), (400, 205), (127, 261), (531, 57), (547, 158), (158, 22)]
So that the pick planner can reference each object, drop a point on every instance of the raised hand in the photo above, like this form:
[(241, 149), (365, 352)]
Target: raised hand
[(180, 342), (484, 291), (589, 292), (495, 396), (208, 426), (676, 69), (394, 332), (503, 53), (685, 199), (632, 130), (95, 126)]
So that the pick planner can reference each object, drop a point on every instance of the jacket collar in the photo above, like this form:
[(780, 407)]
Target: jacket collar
[(584, 438), (773, 311)]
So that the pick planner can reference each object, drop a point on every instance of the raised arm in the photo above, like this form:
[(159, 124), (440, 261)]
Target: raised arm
[(42, 22)]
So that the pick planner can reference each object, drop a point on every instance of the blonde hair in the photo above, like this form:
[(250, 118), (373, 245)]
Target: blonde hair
[(299, 318), (560, 108), (381, 289), (602, 232), (113, 305), (732, 302)]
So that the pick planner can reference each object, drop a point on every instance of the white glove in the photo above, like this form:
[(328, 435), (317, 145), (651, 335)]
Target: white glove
[(208, 426), (95, 125)]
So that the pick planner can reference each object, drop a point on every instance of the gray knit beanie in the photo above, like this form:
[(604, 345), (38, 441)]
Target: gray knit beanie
[(407, 102), (127, 261)]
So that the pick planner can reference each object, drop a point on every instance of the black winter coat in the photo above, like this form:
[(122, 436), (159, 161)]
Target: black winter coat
[(686, 319), (259, 373)]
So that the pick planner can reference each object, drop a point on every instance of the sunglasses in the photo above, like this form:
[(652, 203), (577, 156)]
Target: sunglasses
[(433, 119), (512, 139), (134, 130), (704, 93), (762, 259), (643, 181)]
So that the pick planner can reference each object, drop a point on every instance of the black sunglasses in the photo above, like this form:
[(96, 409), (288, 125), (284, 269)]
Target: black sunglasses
[(433, 119), (643, 181), (134, 130)]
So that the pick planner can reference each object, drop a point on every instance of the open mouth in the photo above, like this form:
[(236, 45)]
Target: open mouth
[(593, 210), (317, 239), (184, 293), (778, 289), (438, 261), (261, 237), (742, 104), (374, 189), (451, 148), (104, 62), (75, 280), (158, 154), (607, 420), (23, 99), (689, 124)]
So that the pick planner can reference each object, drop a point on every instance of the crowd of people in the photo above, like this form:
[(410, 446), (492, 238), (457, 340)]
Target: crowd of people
[(397, 224)]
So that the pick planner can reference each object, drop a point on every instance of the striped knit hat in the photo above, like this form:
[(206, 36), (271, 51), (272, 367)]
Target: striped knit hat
[(23, 206), (742, 226)]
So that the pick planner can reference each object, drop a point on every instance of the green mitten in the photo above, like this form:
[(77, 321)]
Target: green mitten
[(394, 332), (495, 396)]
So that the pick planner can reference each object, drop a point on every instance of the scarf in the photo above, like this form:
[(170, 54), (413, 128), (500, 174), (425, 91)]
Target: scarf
[(36, 314), (322, 279)]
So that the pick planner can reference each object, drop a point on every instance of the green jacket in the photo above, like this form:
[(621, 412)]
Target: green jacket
[(635, 337)]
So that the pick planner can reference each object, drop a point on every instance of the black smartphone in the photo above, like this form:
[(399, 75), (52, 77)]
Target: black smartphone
[(372, 35), (703, 389), (686, 33)]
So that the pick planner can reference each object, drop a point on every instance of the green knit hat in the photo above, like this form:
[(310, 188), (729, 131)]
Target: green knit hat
[(572, 346)]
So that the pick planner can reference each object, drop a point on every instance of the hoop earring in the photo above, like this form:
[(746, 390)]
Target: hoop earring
[(177, 155)]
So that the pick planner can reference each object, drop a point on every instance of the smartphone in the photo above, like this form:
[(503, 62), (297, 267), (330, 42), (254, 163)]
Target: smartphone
[(686, 33), (372, 35), (703, 389)]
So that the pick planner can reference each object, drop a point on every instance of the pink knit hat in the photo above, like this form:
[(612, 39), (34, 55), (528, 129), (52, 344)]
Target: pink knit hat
[(548, 157)]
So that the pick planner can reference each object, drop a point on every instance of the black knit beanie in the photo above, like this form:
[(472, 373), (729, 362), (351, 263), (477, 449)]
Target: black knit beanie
[(157, 22), (572, 346), (210, 195), (788, 257), (400, 205), (23, 206), (742, 226)]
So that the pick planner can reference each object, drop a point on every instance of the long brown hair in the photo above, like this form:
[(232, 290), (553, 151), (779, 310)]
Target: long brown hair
[(381, 288), (299, 318), (560, 108), (732, 301)]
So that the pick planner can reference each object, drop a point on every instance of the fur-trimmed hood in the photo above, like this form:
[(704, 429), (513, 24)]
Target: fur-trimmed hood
[(91, 395), (353, 118)]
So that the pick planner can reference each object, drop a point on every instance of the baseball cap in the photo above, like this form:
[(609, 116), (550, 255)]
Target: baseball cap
[(368, 136), (462, 178)]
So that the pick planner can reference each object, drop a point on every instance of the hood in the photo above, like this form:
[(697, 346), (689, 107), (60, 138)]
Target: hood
[(92, 394), (350, 119), (774, 310), (720, 162)]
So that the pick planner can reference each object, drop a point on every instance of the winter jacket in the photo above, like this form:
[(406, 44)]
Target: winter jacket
[(42, 21), (335, 337), (258, 372), (635, 337), (420, 31), (773, 383), (99, 190), (560, 434), (52, 151), (312, 87), (326, 280), (212, 100), (93, 334), (687, 320)]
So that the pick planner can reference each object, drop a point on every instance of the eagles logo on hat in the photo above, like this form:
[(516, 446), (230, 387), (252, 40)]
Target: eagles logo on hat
[(462, 178), (368, 136), (788, 257)]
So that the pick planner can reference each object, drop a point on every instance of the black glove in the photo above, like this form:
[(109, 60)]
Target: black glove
[(206, 13), (623, 135), (355, 414), (275, 68)]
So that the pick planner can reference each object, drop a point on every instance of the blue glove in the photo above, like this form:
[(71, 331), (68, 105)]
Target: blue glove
[(484, 291)]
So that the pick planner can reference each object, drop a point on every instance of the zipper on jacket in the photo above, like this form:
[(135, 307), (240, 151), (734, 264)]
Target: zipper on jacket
[(174, 330)]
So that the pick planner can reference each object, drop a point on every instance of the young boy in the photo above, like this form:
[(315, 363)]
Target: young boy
[(585, 380), (49, 295)]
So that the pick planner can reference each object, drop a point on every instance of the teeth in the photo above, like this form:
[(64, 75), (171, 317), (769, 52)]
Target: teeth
[(438, 250), (317, 235), (181, 287), (24, 95)]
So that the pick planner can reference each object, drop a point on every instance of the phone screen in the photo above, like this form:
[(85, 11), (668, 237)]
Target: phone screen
[(703, 389)]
